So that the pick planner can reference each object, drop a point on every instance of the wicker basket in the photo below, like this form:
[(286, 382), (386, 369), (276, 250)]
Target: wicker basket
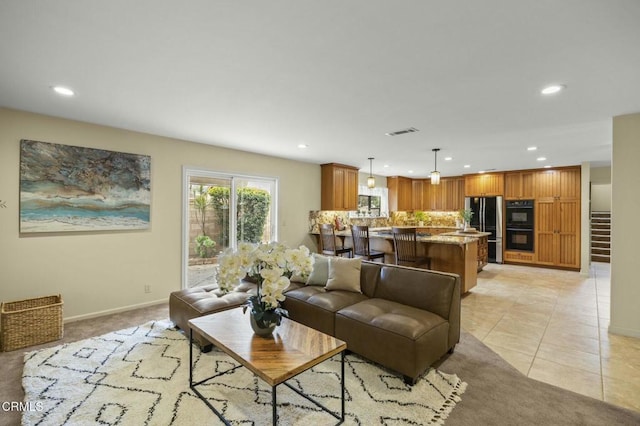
[(30, 322)]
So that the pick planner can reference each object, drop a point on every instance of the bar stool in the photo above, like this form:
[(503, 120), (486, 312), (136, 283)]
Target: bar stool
[(360, 235), (328, 242), (406, 248)]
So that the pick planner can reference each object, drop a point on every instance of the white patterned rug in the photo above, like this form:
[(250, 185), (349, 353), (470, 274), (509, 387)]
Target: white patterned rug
[(139, 376)]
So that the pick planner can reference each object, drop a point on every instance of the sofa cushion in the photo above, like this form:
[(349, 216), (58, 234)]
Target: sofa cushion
[(315, 307), (320, 273), (401, 337), (344, 274), (428, 290), (394, 317)]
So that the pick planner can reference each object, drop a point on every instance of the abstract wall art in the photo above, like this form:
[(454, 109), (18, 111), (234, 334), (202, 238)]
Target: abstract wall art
[(67, 188)]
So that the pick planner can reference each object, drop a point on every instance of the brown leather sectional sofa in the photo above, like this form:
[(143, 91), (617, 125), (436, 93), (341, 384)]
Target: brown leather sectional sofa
[(404, 319)]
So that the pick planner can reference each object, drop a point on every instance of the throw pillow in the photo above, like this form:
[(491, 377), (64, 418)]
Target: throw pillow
[(320, 272), (344, 274)]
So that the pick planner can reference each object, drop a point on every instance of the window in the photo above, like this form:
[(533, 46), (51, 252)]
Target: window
[(220, 210)]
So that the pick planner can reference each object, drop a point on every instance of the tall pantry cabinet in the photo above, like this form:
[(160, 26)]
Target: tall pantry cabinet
[(557, 217)]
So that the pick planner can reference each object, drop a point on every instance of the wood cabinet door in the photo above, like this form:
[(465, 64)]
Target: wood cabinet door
[(545, 184), (416, 194), (512, 186), (527, 184), (406, 194), (350, 194), (484, 185), (545, 241), (568, 233), (518, 186), (568, 181), (426, 195), (457, 199), (338, 189)]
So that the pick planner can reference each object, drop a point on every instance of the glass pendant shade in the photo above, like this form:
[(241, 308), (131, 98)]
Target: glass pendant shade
[(371, 181), (435, 177)]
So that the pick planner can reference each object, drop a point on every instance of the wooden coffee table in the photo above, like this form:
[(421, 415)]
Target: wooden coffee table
[(292, 349)]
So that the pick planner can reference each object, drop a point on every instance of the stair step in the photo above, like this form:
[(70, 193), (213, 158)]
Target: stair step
[(601, 238), (599, 258), (601, 232), (600, 214), (598, 251), (600, 220), (601, 244), (600, 226)]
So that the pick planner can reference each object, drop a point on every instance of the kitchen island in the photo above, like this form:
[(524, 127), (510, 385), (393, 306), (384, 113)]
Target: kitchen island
[(483, 244), (454, 254)]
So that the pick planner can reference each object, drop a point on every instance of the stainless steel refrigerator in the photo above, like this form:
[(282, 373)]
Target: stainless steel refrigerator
[(487, 217)]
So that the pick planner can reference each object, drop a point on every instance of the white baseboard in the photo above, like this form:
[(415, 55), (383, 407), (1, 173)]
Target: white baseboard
[(114, 311), (624, 331)]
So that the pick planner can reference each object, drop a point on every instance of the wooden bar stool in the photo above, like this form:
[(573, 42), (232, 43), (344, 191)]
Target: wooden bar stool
[(360, 235), (406, 248), (328, 242)]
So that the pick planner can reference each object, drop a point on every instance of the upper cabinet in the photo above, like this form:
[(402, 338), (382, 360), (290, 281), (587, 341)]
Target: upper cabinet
[(407, 194), (484, 185), (557, 184), (339, 187), (400, 193), (519, 185)]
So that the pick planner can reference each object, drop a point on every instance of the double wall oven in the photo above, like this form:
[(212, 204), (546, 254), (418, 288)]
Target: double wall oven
[(519, 225)]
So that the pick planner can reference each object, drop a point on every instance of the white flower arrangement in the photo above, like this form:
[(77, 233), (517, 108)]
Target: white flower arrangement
[(270, 266)]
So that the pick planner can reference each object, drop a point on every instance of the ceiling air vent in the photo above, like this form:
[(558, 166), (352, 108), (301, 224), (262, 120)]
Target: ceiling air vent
[(402, 132)]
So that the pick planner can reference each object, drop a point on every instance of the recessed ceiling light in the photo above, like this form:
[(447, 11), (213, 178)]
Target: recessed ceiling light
[(554, 88), (466, 166), (541, 158), (386, 166), (64, 91), (532, 148), (448, 158), (410, 171), (303, 146)]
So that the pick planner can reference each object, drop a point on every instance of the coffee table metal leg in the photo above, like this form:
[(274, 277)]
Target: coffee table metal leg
[(273, 405), (342, 383)]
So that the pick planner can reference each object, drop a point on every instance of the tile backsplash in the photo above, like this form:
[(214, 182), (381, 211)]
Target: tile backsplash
[(401, 218)]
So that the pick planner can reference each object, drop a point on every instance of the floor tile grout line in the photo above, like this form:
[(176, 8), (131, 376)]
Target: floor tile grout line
[(595, 281)]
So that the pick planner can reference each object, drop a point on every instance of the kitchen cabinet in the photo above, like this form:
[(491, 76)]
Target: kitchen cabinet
[(400, 193), (417, 202), (454, 192), (557, 217), (519, 185), (339, 189), (447, 196), (557, 183), (557, 233), (484, 185)]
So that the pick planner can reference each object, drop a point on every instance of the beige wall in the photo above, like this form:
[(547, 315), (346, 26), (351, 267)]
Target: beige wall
[(601, 189), (101, 272), (625, 233)]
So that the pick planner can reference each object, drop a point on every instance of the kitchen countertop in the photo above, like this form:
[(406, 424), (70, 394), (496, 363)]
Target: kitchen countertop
[(477, 234), (385, 233)]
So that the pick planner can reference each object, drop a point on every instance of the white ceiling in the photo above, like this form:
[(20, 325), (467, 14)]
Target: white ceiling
[(265, 76)]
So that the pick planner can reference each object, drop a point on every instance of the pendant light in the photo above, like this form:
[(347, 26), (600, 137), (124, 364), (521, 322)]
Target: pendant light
[(371, 181), (435, 174)]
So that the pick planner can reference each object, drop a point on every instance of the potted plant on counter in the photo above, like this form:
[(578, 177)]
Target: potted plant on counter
[(466, 215), (421, 217)]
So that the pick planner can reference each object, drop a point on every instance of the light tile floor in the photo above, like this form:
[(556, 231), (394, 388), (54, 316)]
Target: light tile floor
[(552, 326)]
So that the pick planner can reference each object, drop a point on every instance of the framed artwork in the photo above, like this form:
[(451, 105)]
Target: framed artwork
[(67, 188)]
